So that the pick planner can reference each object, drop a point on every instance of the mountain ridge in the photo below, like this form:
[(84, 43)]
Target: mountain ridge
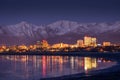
[(66, 30)]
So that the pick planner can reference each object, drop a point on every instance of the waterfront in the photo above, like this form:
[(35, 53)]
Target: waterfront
[(24, 67)]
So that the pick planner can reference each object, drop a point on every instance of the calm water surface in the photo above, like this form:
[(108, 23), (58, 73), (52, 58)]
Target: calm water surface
[(36, 67)]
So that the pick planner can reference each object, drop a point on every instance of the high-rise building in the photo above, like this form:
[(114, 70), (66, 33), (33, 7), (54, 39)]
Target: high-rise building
[(90, 41), (80, 43), (106, 43), (87, 41), (93, 41), (44, 44), (38, 44)]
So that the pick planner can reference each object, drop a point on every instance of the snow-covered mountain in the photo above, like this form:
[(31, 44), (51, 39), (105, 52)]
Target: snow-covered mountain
[(65, 31)]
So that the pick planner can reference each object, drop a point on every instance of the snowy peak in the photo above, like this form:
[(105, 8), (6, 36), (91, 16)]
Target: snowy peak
[(23, 23), (62, 28)]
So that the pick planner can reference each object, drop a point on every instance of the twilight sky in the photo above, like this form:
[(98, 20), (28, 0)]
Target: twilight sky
[(47, 11)]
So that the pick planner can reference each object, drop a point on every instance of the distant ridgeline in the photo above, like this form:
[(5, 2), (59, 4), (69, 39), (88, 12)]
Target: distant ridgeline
[(59, 31)]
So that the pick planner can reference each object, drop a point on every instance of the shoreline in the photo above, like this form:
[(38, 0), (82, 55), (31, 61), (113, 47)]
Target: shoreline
[(112, 72), (113, 55), (103, 74)]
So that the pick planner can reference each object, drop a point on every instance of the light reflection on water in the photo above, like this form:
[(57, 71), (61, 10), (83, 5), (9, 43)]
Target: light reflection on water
[(36, 67)]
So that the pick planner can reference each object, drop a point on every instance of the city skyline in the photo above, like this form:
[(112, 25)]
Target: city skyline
[(59, 39), (88, 42)]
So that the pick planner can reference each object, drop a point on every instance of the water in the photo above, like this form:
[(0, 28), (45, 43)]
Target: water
[(37, 67)]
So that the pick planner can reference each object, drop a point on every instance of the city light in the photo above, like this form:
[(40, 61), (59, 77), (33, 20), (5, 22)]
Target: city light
[(88, 44)]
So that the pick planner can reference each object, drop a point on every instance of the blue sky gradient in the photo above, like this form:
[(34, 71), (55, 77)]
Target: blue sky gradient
[(47, 11)]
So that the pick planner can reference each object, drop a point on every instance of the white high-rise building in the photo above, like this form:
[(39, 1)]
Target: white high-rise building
[(90, 41), (93, 41), (87, 41)]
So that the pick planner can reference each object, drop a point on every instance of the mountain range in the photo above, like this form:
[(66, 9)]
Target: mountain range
[(59, 31)]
